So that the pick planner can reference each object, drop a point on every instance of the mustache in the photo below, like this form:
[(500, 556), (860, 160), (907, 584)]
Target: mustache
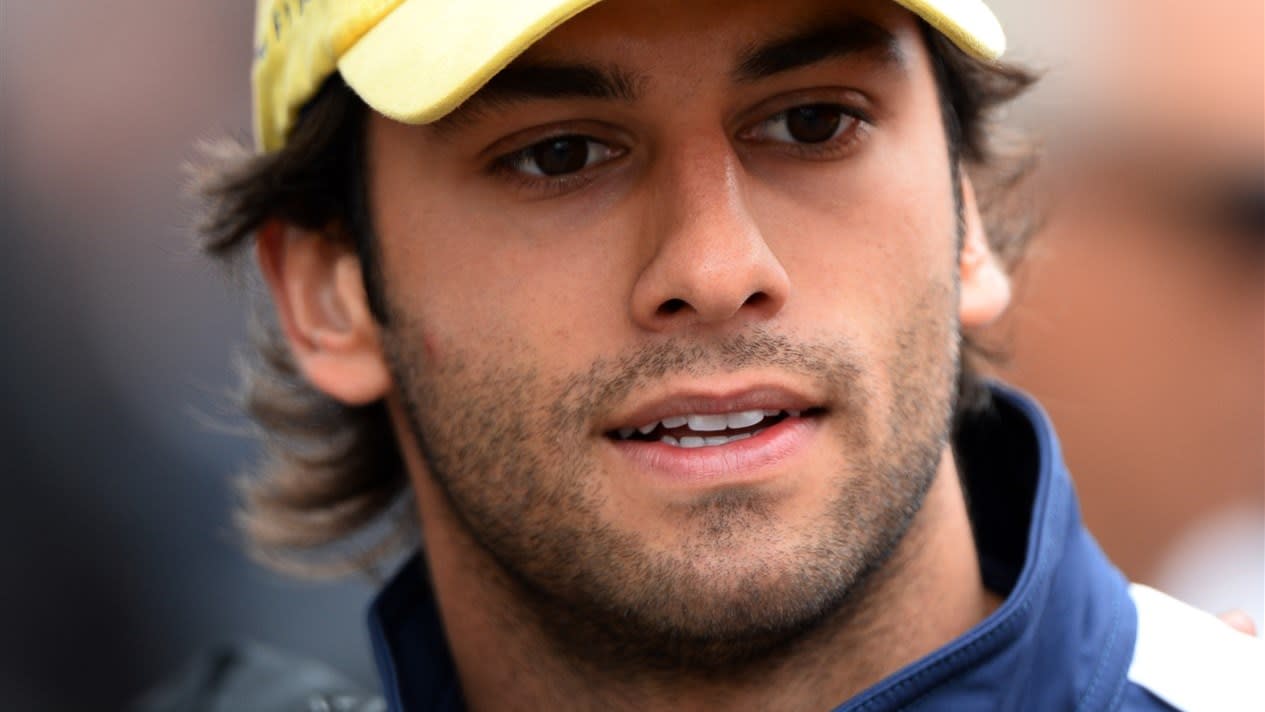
[(835, 367)]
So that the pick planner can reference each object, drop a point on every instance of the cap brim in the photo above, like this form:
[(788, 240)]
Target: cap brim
[(969, 24), (425, 58)]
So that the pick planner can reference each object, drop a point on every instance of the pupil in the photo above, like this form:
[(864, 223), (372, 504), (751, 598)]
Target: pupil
[(567, 154), (813, 124)]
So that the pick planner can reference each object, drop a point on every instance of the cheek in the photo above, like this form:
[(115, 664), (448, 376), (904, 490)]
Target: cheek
[(474, 280), (447, 274), (432, 348), (861, 243)]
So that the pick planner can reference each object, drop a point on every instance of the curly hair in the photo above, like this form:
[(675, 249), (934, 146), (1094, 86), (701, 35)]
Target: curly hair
[(331, 495)]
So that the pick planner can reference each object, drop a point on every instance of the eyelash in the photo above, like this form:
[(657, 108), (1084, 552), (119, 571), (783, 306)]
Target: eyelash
[(508, 166), (851, 130), (843, 141)]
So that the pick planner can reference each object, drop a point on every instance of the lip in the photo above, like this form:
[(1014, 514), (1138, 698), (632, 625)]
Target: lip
[(759, 458)]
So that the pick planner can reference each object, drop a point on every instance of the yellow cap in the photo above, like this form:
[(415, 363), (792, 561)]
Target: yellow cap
[(417, 60)]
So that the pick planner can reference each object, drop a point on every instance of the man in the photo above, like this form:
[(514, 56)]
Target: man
[(651, 312)]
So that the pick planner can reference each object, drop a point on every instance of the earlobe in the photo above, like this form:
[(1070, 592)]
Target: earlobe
[(323, 310), (985, 286)]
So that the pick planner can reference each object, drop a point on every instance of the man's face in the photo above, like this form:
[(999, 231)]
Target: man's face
[(673, 313)]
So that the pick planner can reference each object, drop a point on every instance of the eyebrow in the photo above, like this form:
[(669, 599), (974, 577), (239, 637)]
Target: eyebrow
[(526, 81), (833, 41)]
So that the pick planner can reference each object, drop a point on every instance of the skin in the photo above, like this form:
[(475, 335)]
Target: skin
[(703, 252)]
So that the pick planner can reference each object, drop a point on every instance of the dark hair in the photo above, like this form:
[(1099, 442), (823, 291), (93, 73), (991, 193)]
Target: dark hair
[(970, 92), (331, 495)]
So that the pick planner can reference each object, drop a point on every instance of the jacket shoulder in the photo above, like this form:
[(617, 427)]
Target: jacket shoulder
[(1191, 660), (249, 676)]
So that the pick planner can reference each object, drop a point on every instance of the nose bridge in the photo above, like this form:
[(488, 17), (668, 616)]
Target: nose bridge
[(711, 260), (701, 189)]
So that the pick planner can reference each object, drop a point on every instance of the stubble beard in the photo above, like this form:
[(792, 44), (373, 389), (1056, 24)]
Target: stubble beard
[(513, 454)]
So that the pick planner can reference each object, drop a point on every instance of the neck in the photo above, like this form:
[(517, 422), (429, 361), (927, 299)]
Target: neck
[(926, 595)]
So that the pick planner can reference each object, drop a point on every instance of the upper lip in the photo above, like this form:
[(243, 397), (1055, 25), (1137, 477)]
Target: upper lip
[(699, 400)]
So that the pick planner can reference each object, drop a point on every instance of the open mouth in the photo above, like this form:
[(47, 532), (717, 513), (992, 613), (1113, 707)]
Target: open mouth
[(709, 430)]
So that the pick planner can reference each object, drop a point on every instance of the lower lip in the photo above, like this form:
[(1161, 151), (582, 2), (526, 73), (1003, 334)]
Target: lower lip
[(755, 458)]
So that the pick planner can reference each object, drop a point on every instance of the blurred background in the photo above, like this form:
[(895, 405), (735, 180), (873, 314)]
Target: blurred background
[(1140, 325), (116, 534), (1139, 319)]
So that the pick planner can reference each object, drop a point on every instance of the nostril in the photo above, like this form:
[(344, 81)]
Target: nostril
[(671, 306), (756, 299)]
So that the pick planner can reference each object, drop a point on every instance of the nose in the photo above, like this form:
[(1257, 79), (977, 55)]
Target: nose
[(711, 263)]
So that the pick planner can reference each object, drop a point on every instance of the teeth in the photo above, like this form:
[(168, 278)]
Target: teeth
[(694, 441), (708, 423), (745, 419)]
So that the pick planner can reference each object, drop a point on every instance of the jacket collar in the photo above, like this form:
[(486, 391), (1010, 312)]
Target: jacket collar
[(1062, 640)]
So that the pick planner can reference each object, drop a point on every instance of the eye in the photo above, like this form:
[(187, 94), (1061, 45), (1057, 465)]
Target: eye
[(808, 124), (560, 155)]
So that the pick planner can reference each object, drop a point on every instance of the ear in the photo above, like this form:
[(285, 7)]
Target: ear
[(316, 285), (985, 286)]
